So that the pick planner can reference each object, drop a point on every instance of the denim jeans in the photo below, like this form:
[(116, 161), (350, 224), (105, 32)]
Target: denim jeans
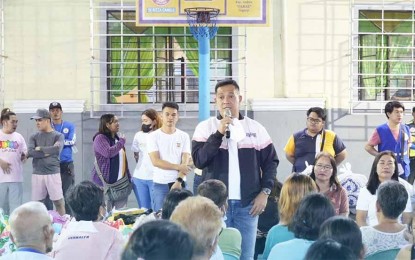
[(196, 182), (239, 218), (143, 190), (159, 193)]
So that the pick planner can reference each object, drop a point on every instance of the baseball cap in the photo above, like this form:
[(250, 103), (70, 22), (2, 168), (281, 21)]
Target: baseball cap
[(41, 113), (55, 105)]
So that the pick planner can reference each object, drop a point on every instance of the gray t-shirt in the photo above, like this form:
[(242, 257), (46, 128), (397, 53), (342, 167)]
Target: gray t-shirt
[(46, 160)]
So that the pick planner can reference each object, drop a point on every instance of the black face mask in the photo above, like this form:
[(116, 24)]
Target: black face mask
[(146, 128)]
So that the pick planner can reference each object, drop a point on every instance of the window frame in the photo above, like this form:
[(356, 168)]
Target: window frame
[(376, 105)]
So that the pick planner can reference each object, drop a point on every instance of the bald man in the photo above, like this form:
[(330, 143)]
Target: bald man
[(31, 231)]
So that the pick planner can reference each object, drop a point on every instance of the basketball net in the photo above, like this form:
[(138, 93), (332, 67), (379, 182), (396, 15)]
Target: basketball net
[(202, 21)]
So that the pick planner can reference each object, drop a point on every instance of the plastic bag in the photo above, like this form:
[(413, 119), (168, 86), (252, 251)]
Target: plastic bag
[(352, 182), (6, 244)]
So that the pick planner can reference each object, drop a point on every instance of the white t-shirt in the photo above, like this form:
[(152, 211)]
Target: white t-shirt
[(375, 240), (170, 148), (11, 148), (144, 168), (367, 202), (234, 178)]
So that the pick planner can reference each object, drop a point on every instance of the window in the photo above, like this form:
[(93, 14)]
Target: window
[(156, 64), (383, 54)]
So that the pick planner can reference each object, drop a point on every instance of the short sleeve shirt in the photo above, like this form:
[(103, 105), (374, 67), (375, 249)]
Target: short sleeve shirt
[(367, 202), (170, 148)]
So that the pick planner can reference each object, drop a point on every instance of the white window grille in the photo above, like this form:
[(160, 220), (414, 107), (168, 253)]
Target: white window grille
[(382, 60), (133, 68), (2, 53)]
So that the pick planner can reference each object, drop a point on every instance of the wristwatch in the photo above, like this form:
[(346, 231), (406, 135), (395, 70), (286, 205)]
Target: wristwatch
[(179, 179), (266, 191)]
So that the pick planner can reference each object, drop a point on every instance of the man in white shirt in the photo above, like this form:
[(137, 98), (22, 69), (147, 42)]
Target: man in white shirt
[(169, 151)]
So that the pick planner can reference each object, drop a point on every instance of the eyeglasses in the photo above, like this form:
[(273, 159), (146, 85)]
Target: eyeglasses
[(221, 230), (314, 121), (323, 167)]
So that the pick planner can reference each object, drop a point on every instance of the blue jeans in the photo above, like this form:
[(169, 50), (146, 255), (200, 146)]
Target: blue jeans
[(196, 182), (159, 193), (239, 218), (143, 190)]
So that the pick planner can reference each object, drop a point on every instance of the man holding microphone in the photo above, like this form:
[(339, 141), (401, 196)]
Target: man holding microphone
[(238, 151)]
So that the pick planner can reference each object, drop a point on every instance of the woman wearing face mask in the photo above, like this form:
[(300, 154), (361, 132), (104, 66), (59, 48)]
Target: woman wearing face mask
[(143, 173)]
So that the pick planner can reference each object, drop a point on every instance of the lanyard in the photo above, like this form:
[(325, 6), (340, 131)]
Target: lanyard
[(60, 131), (322, 141)]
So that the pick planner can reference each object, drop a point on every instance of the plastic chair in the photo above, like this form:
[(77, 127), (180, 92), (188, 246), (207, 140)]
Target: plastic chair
[(227, 256), (384, 255)]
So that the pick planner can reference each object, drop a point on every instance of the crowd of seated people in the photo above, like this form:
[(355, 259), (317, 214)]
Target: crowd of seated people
[(293, 190), (313, 210), (312, 223), (383, 211)]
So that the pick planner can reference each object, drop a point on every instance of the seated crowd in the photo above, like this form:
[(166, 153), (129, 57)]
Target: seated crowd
[(313, 222)]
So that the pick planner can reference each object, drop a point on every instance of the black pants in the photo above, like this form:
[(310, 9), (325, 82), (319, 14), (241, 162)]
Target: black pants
[(68, 180)]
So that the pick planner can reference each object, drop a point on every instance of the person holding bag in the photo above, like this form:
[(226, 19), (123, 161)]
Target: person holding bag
[(111, 167)]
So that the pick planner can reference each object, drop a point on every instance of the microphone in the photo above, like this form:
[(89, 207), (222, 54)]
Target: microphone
[(228, 113)]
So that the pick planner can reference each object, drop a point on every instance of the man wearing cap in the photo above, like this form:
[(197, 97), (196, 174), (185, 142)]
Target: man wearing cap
[(44, 147), (411, 125), (66, 161)]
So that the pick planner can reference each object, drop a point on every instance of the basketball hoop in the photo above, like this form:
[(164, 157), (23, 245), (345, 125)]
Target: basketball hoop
[(202, 21)]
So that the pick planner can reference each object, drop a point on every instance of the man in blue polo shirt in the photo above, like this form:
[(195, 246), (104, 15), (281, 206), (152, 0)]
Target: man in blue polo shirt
[(66, 160)]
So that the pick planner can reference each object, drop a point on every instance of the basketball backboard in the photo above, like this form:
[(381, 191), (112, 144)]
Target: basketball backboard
[(232, 12)]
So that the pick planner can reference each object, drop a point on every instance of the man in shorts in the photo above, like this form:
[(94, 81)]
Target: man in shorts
[(44, 147)]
